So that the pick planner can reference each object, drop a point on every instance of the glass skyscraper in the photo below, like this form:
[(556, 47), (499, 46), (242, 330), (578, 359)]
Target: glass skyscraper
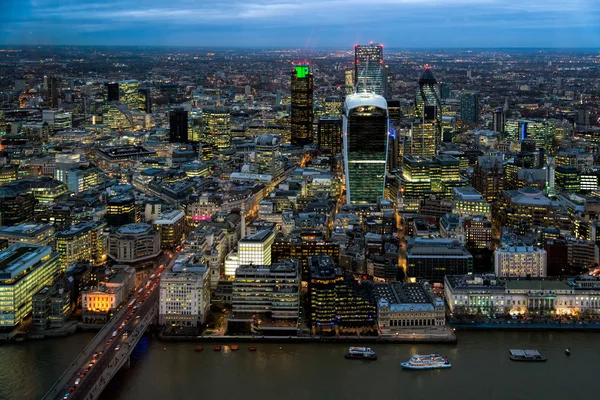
[(469, 106), (427, 130), (365, 128), (302, 113), (369, 69)]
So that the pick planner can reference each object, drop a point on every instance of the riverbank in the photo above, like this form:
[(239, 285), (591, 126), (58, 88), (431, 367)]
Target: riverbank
[(527, 326), (423, 336)]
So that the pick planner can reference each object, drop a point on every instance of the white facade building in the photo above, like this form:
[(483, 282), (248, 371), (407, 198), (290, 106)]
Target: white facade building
[(520, 261), (184, 296)]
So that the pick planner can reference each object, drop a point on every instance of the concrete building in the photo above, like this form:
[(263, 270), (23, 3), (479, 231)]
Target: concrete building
[(134, 243), (24, 270), (432, 259), (184, 295), (40, 234), (84, 241), (252, 250), (266, 298), (171, 226), (51, 307), (107, 296), (520, 261), (405, 306), (469, 202), (491, 295)]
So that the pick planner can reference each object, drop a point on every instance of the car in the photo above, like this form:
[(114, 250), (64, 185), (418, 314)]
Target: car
[(81, 374), (90, 365), (72, 389), (77, 381), (117, 348), (85, 371), (137, 317), (108, 342), (66, 396), (114, 334), (100, 352)]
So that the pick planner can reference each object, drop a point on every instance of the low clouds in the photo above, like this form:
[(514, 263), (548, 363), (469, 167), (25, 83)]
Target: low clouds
[(402, 23)]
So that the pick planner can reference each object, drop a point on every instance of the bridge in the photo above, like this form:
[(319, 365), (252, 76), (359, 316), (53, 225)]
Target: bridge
[(109, 350)]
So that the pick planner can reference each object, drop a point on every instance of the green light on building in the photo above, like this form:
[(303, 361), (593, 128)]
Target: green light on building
[(302, 71)]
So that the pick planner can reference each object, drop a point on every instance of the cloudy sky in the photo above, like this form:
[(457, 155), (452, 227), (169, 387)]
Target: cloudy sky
[(304, 23)]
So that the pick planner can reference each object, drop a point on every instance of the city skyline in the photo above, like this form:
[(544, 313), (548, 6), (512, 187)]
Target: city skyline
[(308, 24)]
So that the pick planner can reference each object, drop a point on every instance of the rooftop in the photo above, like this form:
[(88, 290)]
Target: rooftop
[(19, 257), (259, 236), (24, 230)]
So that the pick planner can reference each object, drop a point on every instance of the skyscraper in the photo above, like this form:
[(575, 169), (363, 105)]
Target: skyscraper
[(302, 105), (52, 92), (329, 134), (128, 93), (369, 70), (178, 126), (499, 120), (112, 91), (217, 127), (145, 100), (469, 106), (427, 129), (365, 128)]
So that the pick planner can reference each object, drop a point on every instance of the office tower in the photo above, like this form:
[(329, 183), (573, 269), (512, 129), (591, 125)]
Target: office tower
[(302, 105), (334, 106), (488, 177), (134, 243), (469, 107), (217, 127), (365, 129), (469, 202), (430, 260), (178, 126), (145, 100), (566, 179), (171, 225), (268, 155), (184, 295), (128, 93), (499, 120), (349, 81), (84, 241), (444, 90), (427, 130), (256, 249), (112, 91), (329, 134), (519, 261), (369, 70), (53, 92), (121, 210), (394, 111), (26, 268)]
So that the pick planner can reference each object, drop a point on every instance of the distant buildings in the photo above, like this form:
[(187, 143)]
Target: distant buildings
[(427, 127), (365, 142), (301, 119), (24, 270), (217, 126), (112, 91)]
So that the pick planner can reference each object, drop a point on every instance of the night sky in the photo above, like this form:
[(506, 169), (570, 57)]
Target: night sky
[(304, 24)]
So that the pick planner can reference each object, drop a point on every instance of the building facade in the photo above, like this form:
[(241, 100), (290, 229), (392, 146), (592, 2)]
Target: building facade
[(302, 113), (520, 261)]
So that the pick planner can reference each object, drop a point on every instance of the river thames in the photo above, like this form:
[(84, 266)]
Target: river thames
[(480, 368)]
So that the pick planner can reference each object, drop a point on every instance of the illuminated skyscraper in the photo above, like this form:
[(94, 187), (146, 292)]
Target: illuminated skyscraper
[(427, 130), (128, 93), (365, 128), (178, 126), (217, 127), (499, 120), (329, 134), (145, 100), (369, 70), (302, 105), (469, 107), (53, 92)]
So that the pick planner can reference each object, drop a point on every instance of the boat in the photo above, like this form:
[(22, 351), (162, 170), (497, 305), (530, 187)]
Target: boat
[(217, 348), (252, 348), (429, 361), (568, 352), (234, 348), (361, 353), (199, 348), (526, 355)]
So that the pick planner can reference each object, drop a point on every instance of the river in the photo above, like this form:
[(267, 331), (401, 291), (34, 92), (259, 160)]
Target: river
[(480, 369)]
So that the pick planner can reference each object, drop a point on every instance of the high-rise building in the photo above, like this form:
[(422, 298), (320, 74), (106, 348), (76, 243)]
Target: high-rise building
[(349, 81), (488, 177), (566, 179), (469, 106), (301, 120), (112, 91), (334, 106), (217, 127), (128, 93), (178, 126), (369, 69), (329, 133), (184, 296), (499, 120), (366, 130), (145, 100), (426, 133), (171, 225), (53, 92), (256, 249), (24, 270), (431, 260), (121, 210), (268, 155), (84, 241)]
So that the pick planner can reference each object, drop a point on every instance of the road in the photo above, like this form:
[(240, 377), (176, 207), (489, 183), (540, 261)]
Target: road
[(105, 353)]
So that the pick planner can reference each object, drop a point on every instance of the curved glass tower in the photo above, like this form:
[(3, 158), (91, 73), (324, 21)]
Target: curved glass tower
[(365, 144)]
